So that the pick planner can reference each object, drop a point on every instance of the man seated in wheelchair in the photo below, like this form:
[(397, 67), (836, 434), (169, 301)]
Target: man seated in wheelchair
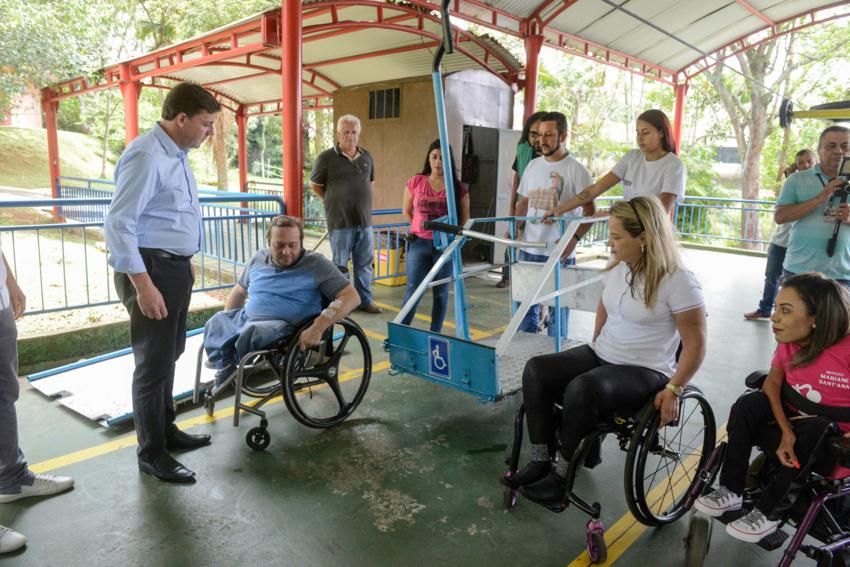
[(810, 372), (650, 302), (281, 287)]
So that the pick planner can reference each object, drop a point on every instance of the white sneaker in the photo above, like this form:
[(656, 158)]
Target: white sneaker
[(43, 485), (10, 540), (718, 502), (752, 528)]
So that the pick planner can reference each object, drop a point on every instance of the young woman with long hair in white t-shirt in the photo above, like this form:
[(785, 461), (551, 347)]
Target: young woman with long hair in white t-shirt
[(653, 169), (649, 303)]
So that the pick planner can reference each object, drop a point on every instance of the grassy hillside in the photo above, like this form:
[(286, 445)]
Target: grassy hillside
[(23, 157)]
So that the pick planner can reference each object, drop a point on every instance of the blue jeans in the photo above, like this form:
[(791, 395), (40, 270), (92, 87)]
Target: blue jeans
[(421, 257), (531, 321), (355, 244), (772, 277)]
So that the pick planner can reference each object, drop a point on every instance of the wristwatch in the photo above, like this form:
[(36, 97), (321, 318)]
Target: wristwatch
[(677, 390)]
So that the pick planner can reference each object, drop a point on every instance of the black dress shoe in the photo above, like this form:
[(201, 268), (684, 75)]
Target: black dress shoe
[(177, 440), (166, 469), (551, 492), (532, 472)]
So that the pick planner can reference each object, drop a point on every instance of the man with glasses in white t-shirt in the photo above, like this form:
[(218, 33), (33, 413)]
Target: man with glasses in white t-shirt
[(548, 181)]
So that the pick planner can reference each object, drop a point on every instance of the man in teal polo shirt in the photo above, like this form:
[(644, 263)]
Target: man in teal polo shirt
[(809, 197)]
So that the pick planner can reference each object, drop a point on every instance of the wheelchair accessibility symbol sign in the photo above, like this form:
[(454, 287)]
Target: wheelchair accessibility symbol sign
[(438, 357)]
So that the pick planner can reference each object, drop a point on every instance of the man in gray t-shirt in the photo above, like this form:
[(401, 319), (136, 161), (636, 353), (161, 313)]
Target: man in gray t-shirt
[(281, 287), (343, 176)]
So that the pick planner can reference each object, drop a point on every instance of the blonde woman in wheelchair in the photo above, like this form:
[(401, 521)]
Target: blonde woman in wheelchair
[(650, 303), (811, 366)]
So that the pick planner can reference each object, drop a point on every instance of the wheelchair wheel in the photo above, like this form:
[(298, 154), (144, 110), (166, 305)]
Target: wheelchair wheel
[(597, 549), (663, 464), (322, 387), (697, 540), (258, 438), (509, 497)]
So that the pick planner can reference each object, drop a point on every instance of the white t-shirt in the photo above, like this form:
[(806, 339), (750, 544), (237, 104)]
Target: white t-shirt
[(641, 178), (546, 184), (782, 234), (4, 291), (635, 335)]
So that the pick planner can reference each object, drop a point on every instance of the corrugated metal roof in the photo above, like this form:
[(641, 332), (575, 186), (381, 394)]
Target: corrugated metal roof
[(347, 44), (707, 25)]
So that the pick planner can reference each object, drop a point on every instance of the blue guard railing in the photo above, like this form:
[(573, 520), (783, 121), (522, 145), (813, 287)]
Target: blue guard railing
[(64, 263)]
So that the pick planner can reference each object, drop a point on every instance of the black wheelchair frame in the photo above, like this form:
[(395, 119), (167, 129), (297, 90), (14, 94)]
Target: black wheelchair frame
[(654, 456), (810, 514), (297, 373)]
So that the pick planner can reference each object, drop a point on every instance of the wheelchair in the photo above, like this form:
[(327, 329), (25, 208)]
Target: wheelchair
[(661, 463), (817, 507), (321, 386)]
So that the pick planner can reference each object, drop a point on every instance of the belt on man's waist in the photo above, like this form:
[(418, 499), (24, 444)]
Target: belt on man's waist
[(163, 254)]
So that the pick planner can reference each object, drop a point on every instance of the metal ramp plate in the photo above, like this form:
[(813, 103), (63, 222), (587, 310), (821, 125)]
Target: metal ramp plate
[(99, 388), (523, 347), (584, 284)]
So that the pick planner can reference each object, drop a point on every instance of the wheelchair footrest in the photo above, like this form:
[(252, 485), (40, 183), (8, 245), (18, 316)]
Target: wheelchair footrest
[(768, 543), (774, 540)]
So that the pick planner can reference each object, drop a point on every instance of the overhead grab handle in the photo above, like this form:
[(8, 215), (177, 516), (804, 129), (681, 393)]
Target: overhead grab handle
[(447, 45)]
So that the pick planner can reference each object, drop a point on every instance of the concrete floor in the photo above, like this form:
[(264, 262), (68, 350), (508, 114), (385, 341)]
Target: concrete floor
[(411, 479)]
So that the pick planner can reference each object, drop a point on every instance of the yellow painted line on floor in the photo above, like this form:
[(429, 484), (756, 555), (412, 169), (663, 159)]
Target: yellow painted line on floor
[(625, 531), (374, 335), (475, 334), (130, 439)]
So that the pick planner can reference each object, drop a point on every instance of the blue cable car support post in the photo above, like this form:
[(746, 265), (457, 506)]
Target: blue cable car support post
[(461, 322)]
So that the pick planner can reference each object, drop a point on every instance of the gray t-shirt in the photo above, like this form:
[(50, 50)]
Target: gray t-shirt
[(348, 187), (289, 294)]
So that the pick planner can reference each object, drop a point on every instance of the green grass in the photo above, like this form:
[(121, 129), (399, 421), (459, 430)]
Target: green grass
[(23, 157)]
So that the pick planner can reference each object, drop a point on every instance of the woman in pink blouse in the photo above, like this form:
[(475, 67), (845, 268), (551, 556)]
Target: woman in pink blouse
[(424, 200), (808, 387)]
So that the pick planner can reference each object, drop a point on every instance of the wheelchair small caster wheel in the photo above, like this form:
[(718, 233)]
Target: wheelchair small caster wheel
[(509, 497), (597, 549), (209, 403), (697, 540), (258, 438)]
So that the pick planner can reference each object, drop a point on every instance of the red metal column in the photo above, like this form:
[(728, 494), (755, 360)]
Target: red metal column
[(290, 67), (242, 151), (130, 91), (681, 91), (533, 43), (50, 106)]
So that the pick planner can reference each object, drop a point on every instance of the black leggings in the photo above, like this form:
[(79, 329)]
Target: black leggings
[(589, 389)]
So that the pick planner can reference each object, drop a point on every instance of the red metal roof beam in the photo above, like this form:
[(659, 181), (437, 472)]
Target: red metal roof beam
[(756, 12)]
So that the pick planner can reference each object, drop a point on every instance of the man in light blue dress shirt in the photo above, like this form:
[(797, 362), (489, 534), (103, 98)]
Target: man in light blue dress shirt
[(152, 229)]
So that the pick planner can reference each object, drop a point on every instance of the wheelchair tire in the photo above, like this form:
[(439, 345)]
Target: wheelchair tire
[(258, 438), (209, 403), (597, 549), (697, 540), (663, 464), (509, 497), (319, 392)]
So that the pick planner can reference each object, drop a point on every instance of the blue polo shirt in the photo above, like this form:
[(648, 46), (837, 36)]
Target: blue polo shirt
[(810, 235)]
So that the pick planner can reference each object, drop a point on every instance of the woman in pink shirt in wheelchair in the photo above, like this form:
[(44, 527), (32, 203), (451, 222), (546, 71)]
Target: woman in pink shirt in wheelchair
[(810, 373)]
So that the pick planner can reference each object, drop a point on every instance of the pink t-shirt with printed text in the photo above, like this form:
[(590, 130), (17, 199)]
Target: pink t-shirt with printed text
[(427, 204), (826, 380)]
